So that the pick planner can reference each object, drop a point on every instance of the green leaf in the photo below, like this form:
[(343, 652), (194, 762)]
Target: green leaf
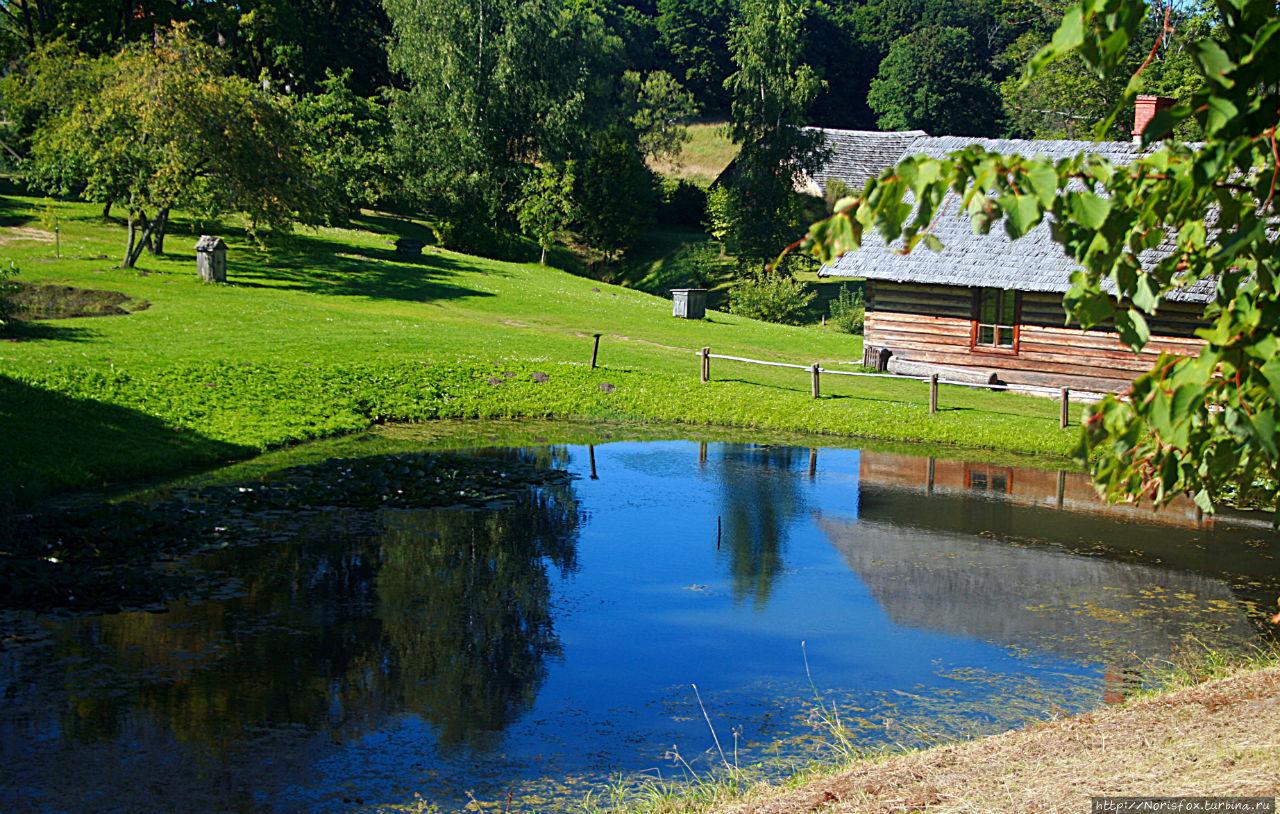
[(1132, 328), (1044, 181), (1187, 399), (1202, 500), (1220, 111), (932, 242), (1264, 429), (1192, 235), (1146, 294), (1069, 36), (1271, 370), (1022, 212), (1087, 209), (1217, 63)]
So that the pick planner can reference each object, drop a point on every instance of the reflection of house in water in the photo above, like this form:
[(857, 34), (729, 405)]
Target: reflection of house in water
[(1070, 491), (923, 545), (1035, 597)]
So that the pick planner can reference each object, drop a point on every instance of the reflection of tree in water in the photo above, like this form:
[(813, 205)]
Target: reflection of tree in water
[(282, 653), (336, 610), (466, 607), (759, 499)]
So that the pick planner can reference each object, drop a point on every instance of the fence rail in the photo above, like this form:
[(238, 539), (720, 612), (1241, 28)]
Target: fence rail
[(816, 371)]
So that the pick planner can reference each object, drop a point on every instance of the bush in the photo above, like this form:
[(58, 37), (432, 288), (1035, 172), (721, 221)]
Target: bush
[(771, 297), (683, 204), (7, 289), (695, 265), (836, 190), (848, 310)]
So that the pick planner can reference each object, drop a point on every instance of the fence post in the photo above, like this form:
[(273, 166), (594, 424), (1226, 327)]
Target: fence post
[(706, 364), (595, 350), (815, 379), (1066, 407), (933, 393)]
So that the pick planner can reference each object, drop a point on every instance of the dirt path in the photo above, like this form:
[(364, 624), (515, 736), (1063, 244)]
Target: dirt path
[(1221, 738)]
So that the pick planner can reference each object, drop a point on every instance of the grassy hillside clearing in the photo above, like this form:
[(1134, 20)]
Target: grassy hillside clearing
[(329, 331), (703, 157)]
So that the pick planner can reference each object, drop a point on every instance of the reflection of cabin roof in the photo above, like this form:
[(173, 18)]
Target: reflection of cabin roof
[(1034, 262), (964, 585)]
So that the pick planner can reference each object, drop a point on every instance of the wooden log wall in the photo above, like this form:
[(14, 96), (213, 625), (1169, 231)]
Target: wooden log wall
[(933, 324)]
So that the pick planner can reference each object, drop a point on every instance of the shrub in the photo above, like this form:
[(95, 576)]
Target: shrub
[(772, 297), (836, 190), (7, 288), (695, 265), (683, 204), (848, 310)]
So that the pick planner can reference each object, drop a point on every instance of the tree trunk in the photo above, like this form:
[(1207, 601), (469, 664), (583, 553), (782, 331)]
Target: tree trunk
[(106, 209), (128, 251), (145, 241), (543, 260), (158, 228)]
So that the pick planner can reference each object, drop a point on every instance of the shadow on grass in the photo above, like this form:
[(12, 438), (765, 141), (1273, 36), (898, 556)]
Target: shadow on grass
[(19, 330), (66, 443), (320, 266), (14, 212)]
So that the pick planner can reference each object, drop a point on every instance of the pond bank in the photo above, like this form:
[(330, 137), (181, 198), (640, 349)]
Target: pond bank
[(1212, 739)]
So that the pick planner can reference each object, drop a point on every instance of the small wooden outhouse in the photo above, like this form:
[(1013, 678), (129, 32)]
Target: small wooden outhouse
[(211, 259)]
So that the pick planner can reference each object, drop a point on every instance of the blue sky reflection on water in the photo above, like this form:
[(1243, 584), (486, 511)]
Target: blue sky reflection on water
[(915, 608)]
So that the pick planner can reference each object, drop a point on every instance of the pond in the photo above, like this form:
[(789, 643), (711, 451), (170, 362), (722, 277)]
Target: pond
[(647, 609)]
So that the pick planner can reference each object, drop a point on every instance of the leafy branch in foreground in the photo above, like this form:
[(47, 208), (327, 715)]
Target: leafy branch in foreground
[(1203, 425)]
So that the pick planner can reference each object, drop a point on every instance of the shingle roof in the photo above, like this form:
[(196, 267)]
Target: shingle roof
[(1034, 262), (859, 155)]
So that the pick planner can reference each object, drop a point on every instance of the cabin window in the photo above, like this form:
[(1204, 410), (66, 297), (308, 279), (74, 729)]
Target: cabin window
[(996, 322)]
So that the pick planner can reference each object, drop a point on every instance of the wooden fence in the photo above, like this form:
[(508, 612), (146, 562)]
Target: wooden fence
[(816, 371)]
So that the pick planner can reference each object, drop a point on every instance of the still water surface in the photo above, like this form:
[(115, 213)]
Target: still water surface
[(357, 658)]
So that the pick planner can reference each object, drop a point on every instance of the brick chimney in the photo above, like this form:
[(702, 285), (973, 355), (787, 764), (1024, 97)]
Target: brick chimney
[(1145, 109)]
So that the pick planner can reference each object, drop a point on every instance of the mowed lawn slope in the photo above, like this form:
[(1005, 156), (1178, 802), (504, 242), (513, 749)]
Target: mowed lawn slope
[(329, 331)]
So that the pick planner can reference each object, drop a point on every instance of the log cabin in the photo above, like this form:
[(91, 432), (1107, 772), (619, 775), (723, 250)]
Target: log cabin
[(988, 308)]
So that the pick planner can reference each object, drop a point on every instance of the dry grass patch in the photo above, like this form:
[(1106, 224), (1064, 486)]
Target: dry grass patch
[(15, 234), (1220, 738)]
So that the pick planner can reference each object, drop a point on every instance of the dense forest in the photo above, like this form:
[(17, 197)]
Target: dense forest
[(498, 117)]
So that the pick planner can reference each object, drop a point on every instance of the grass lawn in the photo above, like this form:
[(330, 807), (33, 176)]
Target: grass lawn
[(329, 331)]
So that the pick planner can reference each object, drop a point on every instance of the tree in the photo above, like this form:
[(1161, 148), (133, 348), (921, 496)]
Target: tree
[(545, 209), (932, 81), (162, 127), (1067, 100), (1204, 425), (771, 91), (7, 288), (347, 139), (614, 190), (494, 85), (92, 26), (695, 33), (661, 105), (296, 44)]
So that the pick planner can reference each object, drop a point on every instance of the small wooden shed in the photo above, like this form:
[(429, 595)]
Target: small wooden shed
[(211, 259)]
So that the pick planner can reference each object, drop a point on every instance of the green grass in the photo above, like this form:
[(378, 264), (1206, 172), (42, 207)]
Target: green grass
[(329, 331), (704, 156)]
